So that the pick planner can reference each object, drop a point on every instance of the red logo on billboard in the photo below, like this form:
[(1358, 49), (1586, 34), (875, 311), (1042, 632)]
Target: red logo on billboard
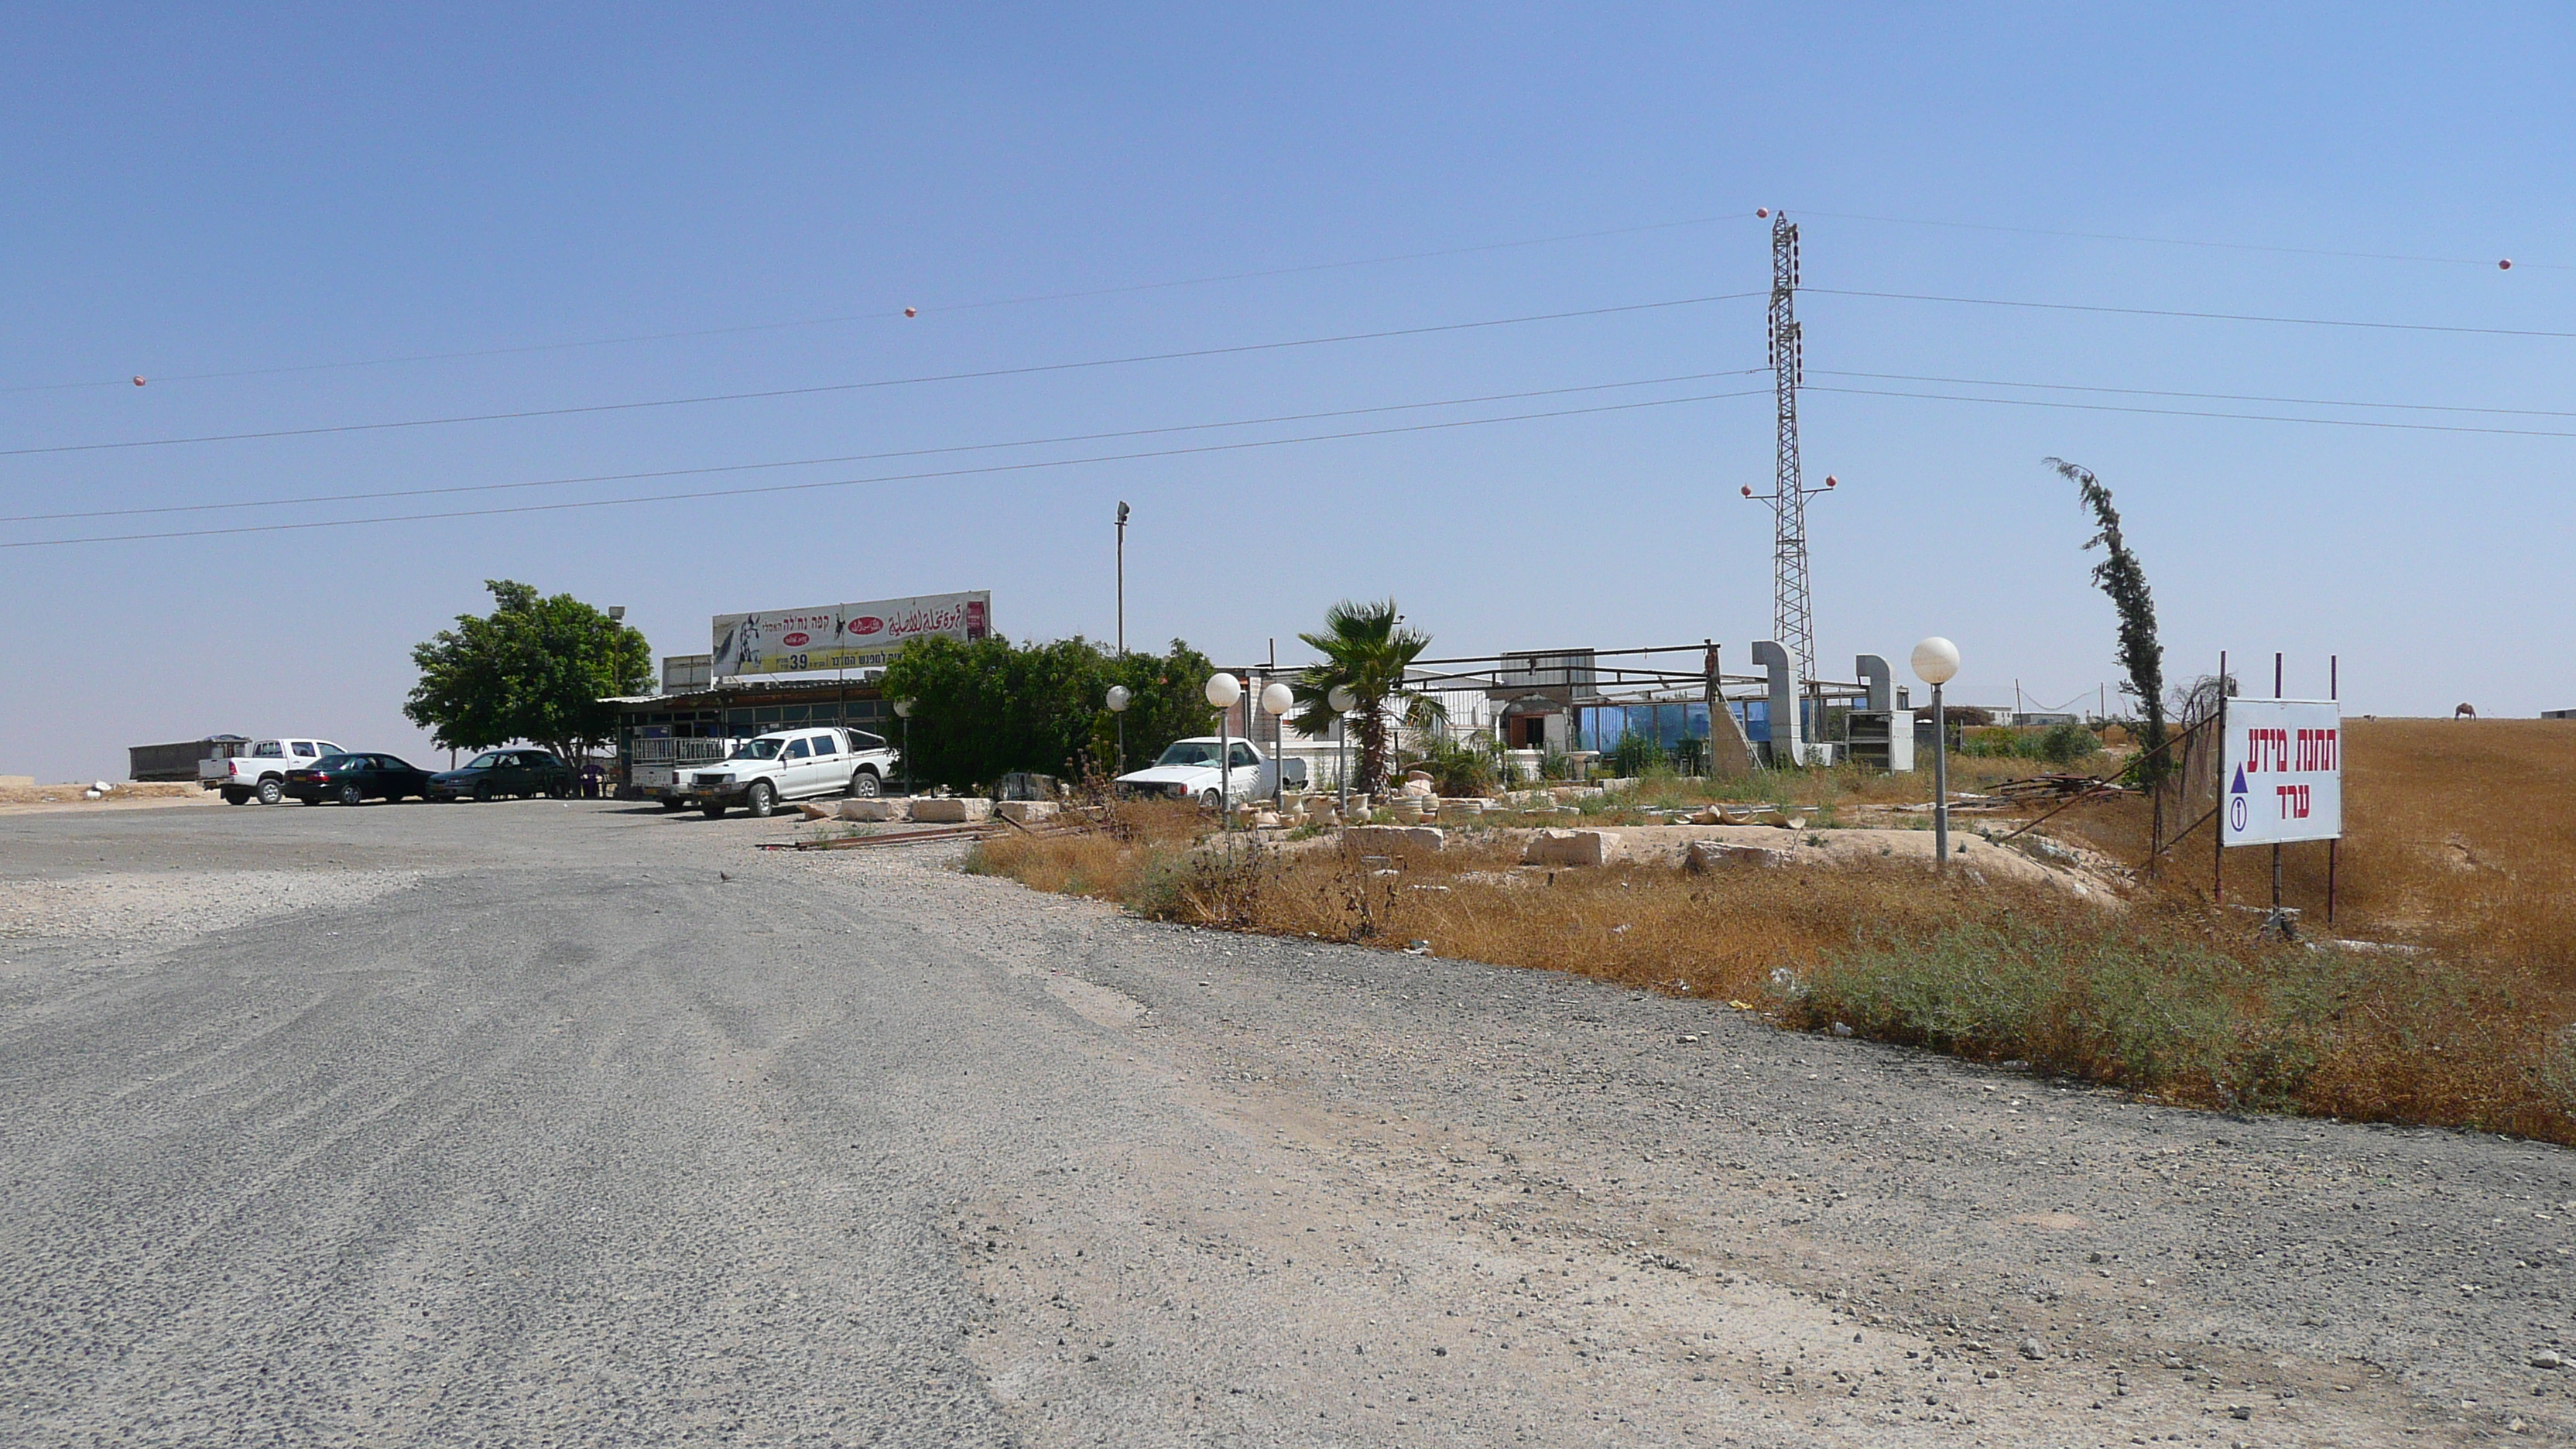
[(866, 624), (794, 641)]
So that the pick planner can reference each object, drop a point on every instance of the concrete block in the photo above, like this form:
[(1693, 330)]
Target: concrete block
[(882, 807), (1027, 812), (1574, 847), (1707, 856), (1393, 839), (950, 812)]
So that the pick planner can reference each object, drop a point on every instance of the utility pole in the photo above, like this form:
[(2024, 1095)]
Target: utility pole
[(1792, 618), (1122, 626)]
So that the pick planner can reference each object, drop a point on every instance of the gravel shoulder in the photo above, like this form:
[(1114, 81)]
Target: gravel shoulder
[(552, 1124)]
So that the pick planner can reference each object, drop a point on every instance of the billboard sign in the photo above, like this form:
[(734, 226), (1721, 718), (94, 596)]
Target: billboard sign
[(843, 636), (2281, 771)]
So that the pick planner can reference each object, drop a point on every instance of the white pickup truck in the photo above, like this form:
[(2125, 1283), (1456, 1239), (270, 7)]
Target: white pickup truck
[(797, 764), (259, 772), (1206, 768)]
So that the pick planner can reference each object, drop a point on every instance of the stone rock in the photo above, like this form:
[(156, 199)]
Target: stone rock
[(1392, 839), (1027, 812), (1265, 820), (812, 810), (951, 812), (1417, 786), (1574, 847), (1422, 775), (1707, 856), (1462, 805), (2030, 1349), (2547, 1360), (882, 807)]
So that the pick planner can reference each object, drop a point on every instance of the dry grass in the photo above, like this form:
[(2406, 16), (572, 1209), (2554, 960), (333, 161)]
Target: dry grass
[(71, 793), (2460, 844)]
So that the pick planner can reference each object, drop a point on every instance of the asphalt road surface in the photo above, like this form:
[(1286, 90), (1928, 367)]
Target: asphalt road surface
[(520, 1124)]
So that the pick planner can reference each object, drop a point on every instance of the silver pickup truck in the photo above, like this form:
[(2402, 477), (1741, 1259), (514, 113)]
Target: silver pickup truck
[(797, 764)]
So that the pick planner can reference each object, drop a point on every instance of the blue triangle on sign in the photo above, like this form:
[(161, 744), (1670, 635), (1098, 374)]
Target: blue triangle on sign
[(2240, 781)]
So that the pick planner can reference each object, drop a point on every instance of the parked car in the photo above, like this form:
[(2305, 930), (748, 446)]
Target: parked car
[(259, 772), (501, 774), (354, 779), (786, 765), (1207, 769)]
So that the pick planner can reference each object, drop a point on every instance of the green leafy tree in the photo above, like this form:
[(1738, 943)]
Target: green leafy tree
[(534, 669), (2120, 576), (1366, 650), (984, 709)]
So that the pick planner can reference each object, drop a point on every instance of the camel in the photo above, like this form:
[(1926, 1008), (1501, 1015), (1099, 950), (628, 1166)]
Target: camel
[(2466, 711)]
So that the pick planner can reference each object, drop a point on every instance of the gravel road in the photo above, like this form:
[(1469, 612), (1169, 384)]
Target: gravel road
[(521, 1124)]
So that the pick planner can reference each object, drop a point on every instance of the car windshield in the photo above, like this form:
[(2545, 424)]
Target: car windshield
[(339, 762), (1190, 752), (492, 761), (758, 750)]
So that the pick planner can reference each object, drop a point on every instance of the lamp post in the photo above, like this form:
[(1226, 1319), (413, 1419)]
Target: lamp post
[(1935, 660), (1342, 702), (1118, 701), (1276, 700), (903, 711), (1122, 580), (1222, 691)]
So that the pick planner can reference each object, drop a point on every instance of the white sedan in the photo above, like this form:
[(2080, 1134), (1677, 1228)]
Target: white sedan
[(1207, 769)]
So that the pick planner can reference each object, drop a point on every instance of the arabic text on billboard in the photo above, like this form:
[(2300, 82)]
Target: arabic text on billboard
[(844, 636)]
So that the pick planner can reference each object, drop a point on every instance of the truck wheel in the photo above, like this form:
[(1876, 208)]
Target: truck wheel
[(759, 800), (234, 796), (270, 792), (864, 785), (715, 809), (352, 795), (1208, 800)]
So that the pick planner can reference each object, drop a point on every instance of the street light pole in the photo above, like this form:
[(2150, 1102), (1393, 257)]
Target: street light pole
[(903, 711), (1122, 579), (1936, 660)]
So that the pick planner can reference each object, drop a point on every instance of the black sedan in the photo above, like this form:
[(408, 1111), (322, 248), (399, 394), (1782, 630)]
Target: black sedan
[(354, 779), (499, 774)]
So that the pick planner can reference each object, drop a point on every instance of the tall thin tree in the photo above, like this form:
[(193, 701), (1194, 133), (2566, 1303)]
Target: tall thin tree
[(2120, 576)]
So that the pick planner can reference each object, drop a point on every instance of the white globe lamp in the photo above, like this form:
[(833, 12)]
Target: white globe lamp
[(1936, 661), (1342, 700), (1119, 698), (1223, 690)]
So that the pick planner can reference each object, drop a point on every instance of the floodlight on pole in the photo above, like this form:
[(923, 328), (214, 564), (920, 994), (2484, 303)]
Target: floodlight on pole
[(1936, 662), (903, 711)]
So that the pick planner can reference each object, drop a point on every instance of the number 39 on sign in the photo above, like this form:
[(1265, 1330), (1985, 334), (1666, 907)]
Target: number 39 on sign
[(2281, 771)]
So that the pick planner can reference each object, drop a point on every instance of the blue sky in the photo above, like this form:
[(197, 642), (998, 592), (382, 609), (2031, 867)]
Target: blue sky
[(198, 192)]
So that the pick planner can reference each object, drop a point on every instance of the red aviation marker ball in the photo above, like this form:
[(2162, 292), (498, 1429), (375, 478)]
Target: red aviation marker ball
[(138, 382), (1748, 490), (912, 311), (1762, 213), (1832, 482), (2506, 265)]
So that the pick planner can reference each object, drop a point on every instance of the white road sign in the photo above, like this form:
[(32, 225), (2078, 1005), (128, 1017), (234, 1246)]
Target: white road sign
[(2282, 771)]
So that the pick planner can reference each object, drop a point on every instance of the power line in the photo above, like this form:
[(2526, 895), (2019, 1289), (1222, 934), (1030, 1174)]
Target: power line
[(2322, 402), (2032, 402), (877, 383), (2168, 241), (857, 457), (886, 313), (697, 495), (2201, 316)]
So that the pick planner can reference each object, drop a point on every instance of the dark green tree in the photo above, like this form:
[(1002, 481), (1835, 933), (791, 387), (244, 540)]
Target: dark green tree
[(1366, 650), (2120, 576), (984, 709), (534, 669)]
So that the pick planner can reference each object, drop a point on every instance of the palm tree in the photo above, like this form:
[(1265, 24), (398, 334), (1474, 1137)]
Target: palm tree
[(1366, 651)]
